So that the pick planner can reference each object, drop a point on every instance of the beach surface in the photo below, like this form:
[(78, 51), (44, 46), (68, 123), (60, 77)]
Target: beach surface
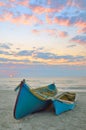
[(46, 120)]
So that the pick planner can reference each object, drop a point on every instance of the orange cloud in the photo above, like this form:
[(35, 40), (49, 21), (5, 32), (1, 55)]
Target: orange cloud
[(80, 24), (41, 9), (37, 9)]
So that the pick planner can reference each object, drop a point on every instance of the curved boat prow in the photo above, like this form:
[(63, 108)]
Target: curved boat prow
[(29, 100), (22, 82)]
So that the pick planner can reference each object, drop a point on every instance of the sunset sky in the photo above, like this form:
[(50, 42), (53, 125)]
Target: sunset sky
[(40, 38)]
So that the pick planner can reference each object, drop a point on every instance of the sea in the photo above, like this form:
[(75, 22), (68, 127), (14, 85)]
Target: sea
[(75, 84)]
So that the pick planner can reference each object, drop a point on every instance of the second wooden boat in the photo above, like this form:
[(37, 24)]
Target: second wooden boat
[(64, 102)]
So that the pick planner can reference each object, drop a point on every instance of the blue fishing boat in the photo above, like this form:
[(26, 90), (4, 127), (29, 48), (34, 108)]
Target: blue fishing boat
[(32, 100), (64, 102)]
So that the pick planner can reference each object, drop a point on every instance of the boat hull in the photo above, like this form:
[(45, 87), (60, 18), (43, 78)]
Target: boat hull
[(61, 107), (28, 103), (64, 102)]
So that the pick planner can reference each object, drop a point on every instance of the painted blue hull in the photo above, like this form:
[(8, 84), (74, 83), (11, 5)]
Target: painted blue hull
[(61, 107), (64, 102), (28, 103)]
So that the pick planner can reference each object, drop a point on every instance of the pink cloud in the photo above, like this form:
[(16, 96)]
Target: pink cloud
[(64, 22), (2, 3), (63, 34), (80, 4), (7, 16), (12, 0), (22, 19), (35, 31), (80, 24), (24, 3), (41, 9), (82, 30), (37, 9), (79, 39), (67, 22)]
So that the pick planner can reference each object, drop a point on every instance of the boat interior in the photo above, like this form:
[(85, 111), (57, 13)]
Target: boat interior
[(67, 96), (44, 92)]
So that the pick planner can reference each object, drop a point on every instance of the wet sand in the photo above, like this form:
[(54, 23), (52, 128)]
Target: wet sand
[(71, 120)]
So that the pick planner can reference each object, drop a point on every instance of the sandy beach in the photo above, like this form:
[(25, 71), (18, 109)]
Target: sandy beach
[(71, 120)]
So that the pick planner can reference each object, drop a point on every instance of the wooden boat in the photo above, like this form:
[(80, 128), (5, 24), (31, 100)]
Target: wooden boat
[(32, 100), (64, 102)]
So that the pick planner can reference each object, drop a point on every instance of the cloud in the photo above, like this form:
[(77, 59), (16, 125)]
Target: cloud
[(64, 21), (77, 20), (32, 6), (44, 55), (70, 46), (40, 7), (31, 12), (12, 0), (17, 17), (79, 39), (4, 52), (35, 31), (5, 49), (5, 45), (2, 3), (8, 60), (25, 53), (63, 34), (23, 3), (83, 31), (80, 20), (39, 56), (26, 19), (81, 4), (48, 56), (4, 60)]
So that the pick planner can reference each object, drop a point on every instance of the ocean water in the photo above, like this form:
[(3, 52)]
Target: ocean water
[(62, 84)]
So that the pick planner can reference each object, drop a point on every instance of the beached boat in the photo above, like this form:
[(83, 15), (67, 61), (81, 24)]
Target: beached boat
[(32, 100), (64, 102)]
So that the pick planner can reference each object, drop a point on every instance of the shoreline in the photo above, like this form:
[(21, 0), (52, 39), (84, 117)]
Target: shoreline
[(46, 120)]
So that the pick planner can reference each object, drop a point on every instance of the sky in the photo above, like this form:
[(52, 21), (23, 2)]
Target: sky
[(42, 38)]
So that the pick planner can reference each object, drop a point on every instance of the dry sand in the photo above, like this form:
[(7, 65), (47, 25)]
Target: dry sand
[(71, 120)]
